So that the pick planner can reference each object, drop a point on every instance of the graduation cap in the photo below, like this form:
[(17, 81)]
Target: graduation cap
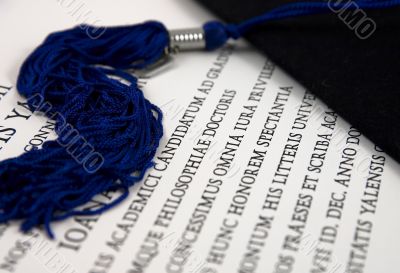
[(349, 58)]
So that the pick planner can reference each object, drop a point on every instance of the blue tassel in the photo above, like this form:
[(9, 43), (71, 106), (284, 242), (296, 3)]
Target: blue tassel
[(107, 131), (119, 130)]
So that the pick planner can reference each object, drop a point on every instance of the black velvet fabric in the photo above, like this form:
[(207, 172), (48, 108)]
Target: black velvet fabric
[(359, 79)]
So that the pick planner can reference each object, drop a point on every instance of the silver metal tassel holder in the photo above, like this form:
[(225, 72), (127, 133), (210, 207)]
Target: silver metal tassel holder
[(186, 39)]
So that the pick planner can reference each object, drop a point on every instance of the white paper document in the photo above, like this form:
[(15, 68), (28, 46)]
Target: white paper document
[(253, 174)]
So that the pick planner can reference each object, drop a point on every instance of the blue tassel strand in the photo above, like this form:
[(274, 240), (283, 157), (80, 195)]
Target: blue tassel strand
[(83, 84)]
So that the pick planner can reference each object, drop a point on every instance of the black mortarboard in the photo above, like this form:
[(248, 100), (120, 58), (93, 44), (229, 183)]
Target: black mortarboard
[(355, 74)]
